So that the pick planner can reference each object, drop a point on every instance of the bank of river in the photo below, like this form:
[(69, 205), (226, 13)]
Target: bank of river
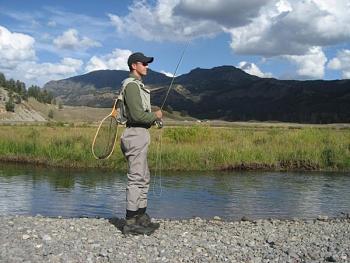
[(196, 148), (40, 239)]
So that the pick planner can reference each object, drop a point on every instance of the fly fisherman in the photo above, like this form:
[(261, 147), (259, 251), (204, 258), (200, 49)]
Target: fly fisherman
[(134, 145)]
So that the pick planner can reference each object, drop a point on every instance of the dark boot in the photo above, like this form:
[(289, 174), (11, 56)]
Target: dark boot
[(132, 227), (144, 219)]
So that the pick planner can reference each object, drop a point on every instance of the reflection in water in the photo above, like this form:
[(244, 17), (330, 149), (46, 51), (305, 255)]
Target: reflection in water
[(94, 193)]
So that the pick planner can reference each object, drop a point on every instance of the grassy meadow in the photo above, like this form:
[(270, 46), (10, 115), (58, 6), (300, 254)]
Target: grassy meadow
[(196, 147)]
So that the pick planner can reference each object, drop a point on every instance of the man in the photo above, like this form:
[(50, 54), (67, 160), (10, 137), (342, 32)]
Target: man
[(134, 144)]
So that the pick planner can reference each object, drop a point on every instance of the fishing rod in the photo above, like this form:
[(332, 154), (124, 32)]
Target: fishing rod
[(159, 123)]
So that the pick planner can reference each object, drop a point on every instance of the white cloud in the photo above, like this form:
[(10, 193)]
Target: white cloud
[(40, 73), (67, 66), (168, 74), (15, 48), (253, 69), (266, 28), (341, 62), (71, 40), (230, 13), (160, 23), (257, 27), (116, 60), (293, 27), (310, 65), (18, 60)]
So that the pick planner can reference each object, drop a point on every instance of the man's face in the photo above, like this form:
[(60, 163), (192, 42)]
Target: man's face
[(140, 68)]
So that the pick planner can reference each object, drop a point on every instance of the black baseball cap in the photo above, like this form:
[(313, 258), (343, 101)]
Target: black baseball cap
[(138, 57)]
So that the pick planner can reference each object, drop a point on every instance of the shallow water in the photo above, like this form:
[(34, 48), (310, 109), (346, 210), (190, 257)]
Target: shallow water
[(26, 190)]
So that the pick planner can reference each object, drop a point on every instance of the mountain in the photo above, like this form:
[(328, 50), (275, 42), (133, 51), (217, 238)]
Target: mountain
[(97, 88), (222, 92)]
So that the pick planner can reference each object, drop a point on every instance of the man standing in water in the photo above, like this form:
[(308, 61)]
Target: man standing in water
[(134, 144)]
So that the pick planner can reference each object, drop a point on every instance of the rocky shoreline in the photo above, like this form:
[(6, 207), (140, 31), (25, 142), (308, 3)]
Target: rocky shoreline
[(42, 239)]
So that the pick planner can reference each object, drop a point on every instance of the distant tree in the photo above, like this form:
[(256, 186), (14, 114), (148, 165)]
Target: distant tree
[(50, 115), (20, 88), (17, 99), (10, 85), (25, 96), (2, 80), (46, 96), (42, 96), (9, 105), (34, 91), (60, 105)]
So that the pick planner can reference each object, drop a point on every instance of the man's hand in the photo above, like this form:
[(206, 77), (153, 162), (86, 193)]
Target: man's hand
[(159, 114)]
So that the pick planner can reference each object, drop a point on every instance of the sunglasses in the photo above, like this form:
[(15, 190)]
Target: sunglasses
[(143, 63)]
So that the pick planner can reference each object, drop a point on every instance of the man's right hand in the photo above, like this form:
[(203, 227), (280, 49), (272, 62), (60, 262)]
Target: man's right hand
[(159, 114)]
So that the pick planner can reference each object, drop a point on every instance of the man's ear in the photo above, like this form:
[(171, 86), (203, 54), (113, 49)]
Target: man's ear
[(133, 66)]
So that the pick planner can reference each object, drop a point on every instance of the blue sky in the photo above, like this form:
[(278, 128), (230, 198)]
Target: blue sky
[(300, 39)]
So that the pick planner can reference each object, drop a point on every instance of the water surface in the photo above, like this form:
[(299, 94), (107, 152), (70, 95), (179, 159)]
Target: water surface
[(26, 190)]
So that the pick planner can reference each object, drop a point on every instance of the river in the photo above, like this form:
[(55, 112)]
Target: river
[(28, 190)]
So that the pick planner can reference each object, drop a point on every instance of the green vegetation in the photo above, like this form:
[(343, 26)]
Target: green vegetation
[(50, 114), (197, 147), (9, 105), (17, 91), (41, 95)]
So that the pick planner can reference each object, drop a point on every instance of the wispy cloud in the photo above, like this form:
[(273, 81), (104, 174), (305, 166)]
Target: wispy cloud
[(71, 40)]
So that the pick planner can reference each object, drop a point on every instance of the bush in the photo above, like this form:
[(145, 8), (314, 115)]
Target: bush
[(9, 105), (60, 105), (50, 115)]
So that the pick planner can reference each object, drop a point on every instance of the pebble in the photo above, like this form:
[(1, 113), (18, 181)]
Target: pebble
[(46, 238), (193, 240), (25, 237)]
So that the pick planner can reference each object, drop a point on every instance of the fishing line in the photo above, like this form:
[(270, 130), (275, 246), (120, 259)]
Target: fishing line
[(159, 124), (158, 170)]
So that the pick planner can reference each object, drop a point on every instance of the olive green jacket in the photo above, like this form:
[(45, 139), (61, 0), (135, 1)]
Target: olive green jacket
[(135, 109)]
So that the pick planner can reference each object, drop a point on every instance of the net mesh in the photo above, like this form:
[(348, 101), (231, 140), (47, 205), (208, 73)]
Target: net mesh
[(105, 138)]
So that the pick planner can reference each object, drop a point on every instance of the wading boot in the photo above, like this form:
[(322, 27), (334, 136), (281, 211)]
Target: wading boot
[(145, 220), (132, 227)]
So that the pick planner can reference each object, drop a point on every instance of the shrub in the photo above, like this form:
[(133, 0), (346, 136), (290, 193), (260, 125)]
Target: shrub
[(50, 114), (9, 105)]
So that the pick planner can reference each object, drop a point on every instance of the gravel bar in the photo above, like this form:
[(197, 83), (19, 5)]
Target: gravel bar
[(42, 239)]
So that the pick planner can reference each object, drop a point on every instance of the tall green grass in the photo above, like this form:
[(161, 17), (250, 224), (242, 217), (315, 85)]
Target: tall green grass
[(187, 148)]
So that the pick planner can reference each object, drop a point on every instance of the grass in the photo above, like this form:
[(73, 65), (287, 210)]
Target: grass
[(196, 147)]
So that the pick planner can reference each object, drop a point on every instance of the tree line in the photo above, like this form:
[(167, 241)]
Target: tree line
[(17, 92)]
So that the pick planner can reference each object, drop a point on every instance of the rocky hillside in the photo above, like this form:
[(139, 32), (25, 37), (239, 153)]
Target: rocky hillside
[(23, 112), (224, 92)]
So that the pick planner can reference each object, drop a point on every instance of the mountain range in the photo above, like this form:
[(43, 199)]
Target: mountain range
[(224, 92)]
